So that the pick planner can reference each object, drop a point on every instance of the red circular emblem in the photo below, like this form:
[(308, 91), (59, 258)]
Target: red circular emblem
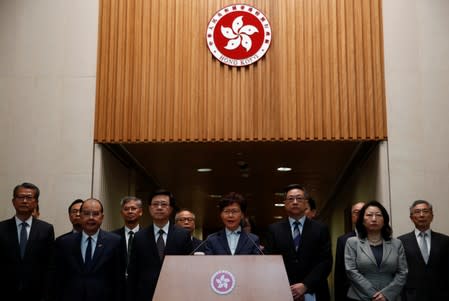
[(238, 35), (222, 282)]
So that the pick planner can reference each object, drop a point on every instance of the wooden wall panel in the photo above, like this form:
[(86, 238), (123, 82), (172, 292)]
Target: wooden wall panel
[(321, 79)]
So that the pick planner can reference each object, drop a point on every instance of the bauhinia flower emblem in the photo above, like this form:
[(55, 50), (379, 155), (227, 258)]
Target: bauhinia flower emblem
[(222, 282), (239, 34)]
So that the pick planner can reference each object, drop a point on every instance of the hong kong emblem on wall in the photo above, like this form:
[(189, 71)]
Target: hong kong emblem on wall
[(238, 35)]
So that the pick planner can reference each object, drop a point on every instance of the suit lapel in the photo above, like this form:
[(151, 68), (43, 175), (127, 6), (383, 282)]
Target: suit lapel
[(223, 240), (243, 239), (366, 249), (76, 251), (386, 250), (12, 233), (99, 249)]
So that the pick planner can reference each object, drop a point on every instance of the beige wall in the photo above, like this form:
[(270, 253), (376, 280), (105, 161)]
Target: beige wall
[(47, 91), (417, 86)]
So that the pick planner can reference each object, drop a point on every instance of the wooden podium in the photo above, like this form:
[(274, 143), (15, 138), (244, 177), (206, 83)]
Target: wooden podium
[(209, 278)]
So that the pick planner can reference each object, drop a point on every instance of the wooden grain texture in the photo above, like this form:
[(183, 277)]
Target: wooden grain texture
[(321, 79)]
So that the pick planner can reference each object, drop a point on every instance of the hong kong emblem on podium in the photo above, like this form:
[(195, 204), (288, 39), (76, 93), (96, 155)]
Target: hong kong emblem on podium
[(238, 35), (222, 282)]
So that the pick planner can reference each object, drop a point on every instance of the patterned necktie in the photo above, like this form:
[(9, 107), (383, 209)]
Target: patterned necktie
[(296, 234), (23, 238), (160, 243), (424, 248), (88, 254), (130, 245)]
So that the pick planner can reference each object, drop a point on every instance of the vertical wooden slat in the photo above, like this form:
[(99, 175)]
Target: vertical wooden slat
[(322, 78)]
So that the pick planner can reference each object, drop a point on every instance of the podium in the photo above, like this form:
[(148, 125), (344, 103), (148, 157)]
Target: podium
[(217, 277)]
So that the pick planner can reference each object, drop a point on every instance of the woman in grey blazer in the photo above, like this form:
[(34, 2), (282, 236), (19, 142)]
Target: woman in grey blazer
[(375, 262)]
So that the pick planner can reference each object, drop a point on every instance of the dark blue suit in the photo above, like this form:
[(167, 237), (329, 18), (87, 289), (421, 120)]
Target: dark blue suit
[(426, 282), (145, 264), (312, 262), (27, 278), (341, 281), (103, 280), (217, 244)]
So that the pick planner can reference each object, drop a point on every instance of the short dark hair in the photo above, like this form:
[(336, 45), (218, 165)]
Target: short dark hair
[(163, 191), (296, 186), (386, 230), (312, 203), (419, 202), (92, 199), (27, 186), (231, 198), (77, 201)]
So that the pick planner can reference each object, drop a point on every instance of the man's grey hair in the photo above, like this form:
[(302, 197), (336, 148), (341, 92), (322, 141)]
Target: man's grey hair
[(182, 210), (127, 199), (419, 202)]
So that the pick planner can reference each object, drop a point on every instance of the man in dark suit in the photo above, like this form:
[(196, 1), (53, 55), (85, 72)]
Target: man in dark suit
[(131, 212), (75, 217), (89, 264), (304, 245), (151, 244), (427, 255), (186, 219), (26, 247), (341, 281)]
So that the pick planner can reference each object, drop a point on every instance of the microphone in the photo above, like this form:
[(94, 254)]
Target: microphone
[(201, 244), (253, 242)]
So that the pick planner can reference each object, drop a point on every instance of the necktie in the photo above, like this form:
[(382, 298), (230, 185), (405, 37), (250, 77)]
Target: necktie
[(160, 243), (88, 255), (424, 248), (296, 234), (23, 238), (130, 244)]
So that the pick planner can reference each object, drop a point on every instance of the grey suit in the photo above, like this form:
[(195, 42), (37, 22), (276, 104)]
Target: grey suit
[(366, 277)]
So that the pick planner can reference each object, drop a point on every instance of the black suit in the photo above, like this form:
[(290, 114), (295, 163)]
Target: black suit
[(426, 282), (103, 280), (196, 245), (341, 281), (145, 264), (27, 278), (122, 234), (217, 244), (312, 263)]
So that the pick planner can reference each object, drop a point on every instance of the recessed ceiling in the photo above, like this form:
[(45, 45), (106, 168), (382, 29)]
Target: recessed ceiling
[(249, 168)]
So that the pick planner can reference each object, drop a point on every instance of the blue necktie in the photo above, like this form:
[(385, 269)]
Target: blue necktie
[(160, 244), (296, 234), (88, 255), (23, 238)]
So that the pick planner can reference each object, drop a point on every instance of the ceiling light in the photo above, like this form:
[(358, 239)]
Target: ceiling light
[(278, 204), (284, 168), (215, 196), (278, 217), (204, 169)]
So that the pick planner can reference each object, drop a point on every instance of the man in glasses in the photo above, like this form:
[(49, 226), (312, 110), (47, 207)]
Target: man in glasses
[(26, 247), (305, 247), (151, 244), (75, 216), (89, 264), (186, 219), (427, 255)]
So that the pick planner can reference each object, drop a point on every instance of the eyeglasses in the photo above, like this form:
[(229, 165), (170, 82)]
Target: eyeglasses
[(423, 211), (132, 209), (355, 212), (231, 211), (75, 211), (298, 198), (24, 198), (91, 213), (185, 219), (160, 204)]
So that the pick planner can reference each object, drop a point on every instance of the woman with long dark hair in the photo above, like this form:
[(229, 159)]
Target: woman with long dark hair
[(375, 262)]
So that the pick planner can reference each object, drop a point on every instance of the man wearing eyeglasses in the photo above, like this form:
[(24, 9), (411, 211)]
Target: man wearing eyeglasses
[(427, 255), (26, 247), (75, 217), (151, 244), (305, 247), (89, 264), (186, 219)]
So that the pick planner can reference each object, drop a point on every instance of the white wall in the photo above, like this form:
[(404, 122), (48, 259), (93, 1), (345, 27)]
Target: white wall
[(417, 84), (48, 52)]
